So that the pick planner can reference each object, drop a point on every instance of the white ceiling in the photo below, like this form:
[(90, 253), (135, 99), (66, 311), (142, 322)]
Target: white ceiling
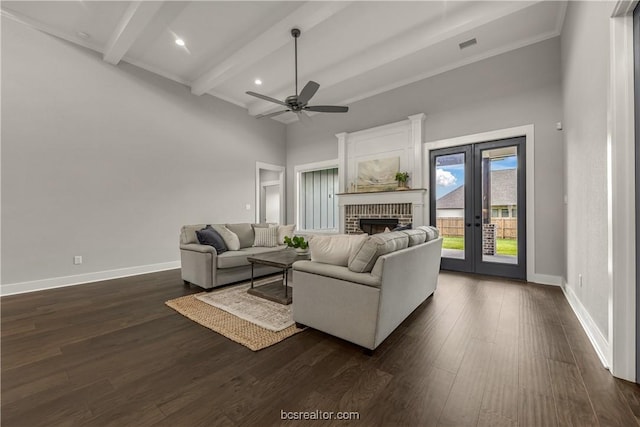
[(353, 49)]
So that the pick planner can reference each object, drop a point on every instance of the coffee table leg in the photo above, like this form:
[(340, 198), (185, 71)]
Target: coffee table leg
[(251, 275), (286, 281)]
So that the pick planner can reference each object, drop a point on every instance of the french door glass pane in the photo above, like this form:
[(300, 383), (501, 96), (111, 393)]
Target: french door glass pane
[(450, 203), (500, 205)]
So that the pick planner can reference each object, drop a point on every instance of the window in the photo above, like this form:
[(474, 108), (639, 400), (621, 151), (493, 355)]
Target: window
[(494, 213), (514, 212), (317, 204), (505, 213)]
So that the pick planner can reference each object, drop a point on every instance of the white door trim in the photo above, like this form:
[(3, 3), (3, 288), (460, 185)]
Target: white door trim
[(621, 262), (281, 181)]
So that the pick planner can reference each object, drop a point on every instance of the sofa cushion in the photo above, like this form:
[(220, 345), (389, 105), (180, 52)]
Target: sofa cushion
[(230, 238), (188, 233), (209, 236), (337, 272), (363, 258), (416, 237), (285, 231), (244, 232), (266, 237), (432, 232), (238, 258), (334, 249)]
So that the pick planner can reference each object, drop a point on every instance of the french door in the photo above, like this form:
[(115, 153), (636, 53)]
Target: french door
[(477, 200)]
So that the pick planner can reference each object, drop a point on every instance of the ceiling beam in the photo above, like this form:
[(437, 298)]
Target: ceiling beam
[(407, 43), (304, 17), (133, 22)]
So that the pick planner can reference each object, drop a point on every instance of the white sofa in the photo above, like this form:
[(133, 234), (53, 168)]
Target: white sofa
[(365, 307)]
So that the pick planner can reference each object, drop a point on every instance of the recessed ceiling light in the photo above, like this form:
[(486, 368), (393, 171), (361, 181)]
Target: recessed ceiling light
[(180, 42), (258, 82), (83, 35)]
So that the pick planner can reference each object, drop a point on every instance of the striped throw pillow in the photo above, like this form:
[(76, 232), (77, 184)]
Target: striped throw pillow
[(266, 237)]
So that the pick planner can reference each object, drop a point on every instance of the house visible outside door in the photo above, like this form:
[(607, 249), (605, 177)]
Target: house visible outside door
[(478, 203), (271, 199)]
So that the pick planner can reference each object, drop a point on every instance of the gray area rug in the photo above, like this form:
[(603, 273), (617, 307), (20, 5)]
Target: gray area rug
[(235, 300)]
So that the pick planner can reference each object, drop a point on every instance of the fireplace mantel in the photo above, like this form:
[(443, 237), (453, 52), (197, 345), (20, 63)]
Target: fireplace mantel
[(413, 196)]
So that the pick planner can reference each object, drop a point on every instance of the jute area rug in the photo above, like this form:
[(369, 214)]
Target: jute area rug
[(252, 321)]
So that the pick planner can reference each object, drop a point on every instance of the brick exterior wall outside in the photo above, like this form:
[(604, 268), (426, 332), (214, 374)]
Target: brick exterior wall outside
[(353, 213), (488, 239)]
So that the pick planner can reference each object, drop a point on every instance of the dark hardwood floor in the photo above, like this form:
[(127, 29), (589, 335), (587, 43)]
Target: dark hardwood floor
[(481, 352)]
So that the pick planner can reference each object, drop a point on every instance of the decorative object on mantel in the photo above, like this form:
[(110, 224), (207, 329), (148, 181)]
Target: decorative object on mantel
[(298, 243), (377, 175), (402, 178)]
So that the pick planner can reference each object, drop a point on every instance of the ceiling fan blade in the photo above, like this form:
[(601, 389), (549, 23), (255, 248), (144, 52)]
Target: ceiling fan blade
[(260, 116), (266, 98), (304, 118), (307, 92), (327, 108)]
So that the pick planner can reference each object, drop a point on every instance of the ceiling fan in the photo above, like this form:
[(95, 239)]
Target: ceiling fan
[(298, 103)]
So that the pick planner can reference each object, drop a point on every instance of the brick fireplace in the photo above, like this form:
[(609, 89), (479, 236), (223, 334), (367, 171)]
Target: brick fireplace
[(401, 212), (405, 206)]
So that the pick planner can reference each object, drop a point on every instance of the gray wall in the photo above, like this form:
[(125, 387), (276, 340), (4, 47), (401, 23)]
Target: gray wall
[(516, 88), (585, 61), (108, 162)]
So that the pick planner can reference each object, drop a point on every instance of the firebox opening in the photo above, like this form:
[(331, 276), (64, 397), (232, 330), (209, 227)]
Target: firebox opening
[(377, 225)]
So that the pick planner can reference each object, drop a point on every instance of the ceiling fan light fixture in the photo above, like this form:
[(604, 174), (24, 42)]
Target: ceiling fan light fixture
[(258, 82), (180, 42), (298, 103)]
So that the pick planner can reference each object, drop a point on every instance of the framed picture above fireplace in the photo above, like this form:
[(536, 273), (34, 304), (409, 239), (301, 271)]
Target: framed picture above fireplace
[(377, 175)]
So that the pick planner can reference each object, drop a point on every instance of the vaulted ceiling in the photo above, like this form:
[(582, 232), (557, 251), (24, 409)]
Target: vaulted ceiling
[(353, 49)]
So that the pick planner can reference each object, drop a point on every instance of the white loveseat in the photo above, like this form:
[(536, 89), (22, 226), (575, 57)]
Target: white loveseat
[(366, 307)]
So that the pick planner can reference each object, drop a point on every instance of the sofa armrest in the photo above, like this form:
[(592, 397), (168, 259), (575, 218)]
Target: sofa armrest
[(198, 248)]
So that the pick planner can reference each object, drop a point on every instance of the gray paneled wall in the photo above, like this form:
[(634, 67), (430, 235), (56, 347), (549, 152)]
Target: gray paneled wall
[(318, 204)]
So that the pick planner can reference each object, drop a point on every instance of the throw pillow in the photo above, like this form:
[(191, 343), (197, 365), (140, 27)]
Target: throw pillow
[(432, 232), (335, 249), (416, 237), (209, 236), (364, 258), (230, 238), (244, 232), (266, 237), (284, 231)]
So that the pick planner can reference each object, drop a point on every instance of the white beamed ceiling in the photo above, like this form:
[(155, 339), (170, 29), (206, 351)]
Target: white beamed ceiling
[(353, 49)]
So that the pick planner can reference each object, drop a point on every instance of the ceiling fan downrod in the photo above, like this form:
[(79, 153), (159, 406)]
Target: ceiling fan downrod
[(295, 32)]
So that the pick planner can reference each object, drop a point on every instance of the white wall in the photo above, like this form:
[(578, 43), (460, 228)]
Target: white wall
[(108, 162), (513, 89), (585, 62)]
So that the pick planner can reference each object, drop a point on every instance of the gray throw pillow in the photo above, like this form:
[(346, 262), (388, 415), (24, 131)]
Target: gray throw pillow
[(230, 238), (363, 259), (244, 232), (416, 237), (432, 232)]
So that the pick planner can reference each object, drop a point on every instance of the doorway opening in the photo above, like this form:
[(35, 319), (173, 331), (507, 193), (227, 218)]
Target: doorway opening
[(479, 205), (270, 191)]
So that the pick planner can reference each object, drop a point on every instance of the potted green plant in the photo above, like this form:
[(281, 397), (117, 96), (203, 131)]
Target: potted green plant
[(297, 242), (402, 178)]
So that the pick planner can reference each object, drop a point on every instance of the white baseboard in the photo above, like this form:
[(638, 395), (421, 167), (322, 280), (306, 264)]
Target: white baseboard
[(598, 341), (79, 279), (545, 279)]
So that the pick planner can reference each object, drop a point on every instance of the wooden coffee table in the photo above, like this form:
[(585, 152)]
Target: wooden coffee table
[(278, 291)]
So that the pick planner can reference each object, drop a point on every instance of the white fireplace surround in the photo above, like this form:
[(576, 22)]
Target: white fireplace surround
[(402, 139)]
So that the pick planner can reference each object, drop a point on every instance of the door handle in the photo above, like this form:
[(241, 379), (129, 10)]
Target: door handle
[(468, 225), (477, 224)]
